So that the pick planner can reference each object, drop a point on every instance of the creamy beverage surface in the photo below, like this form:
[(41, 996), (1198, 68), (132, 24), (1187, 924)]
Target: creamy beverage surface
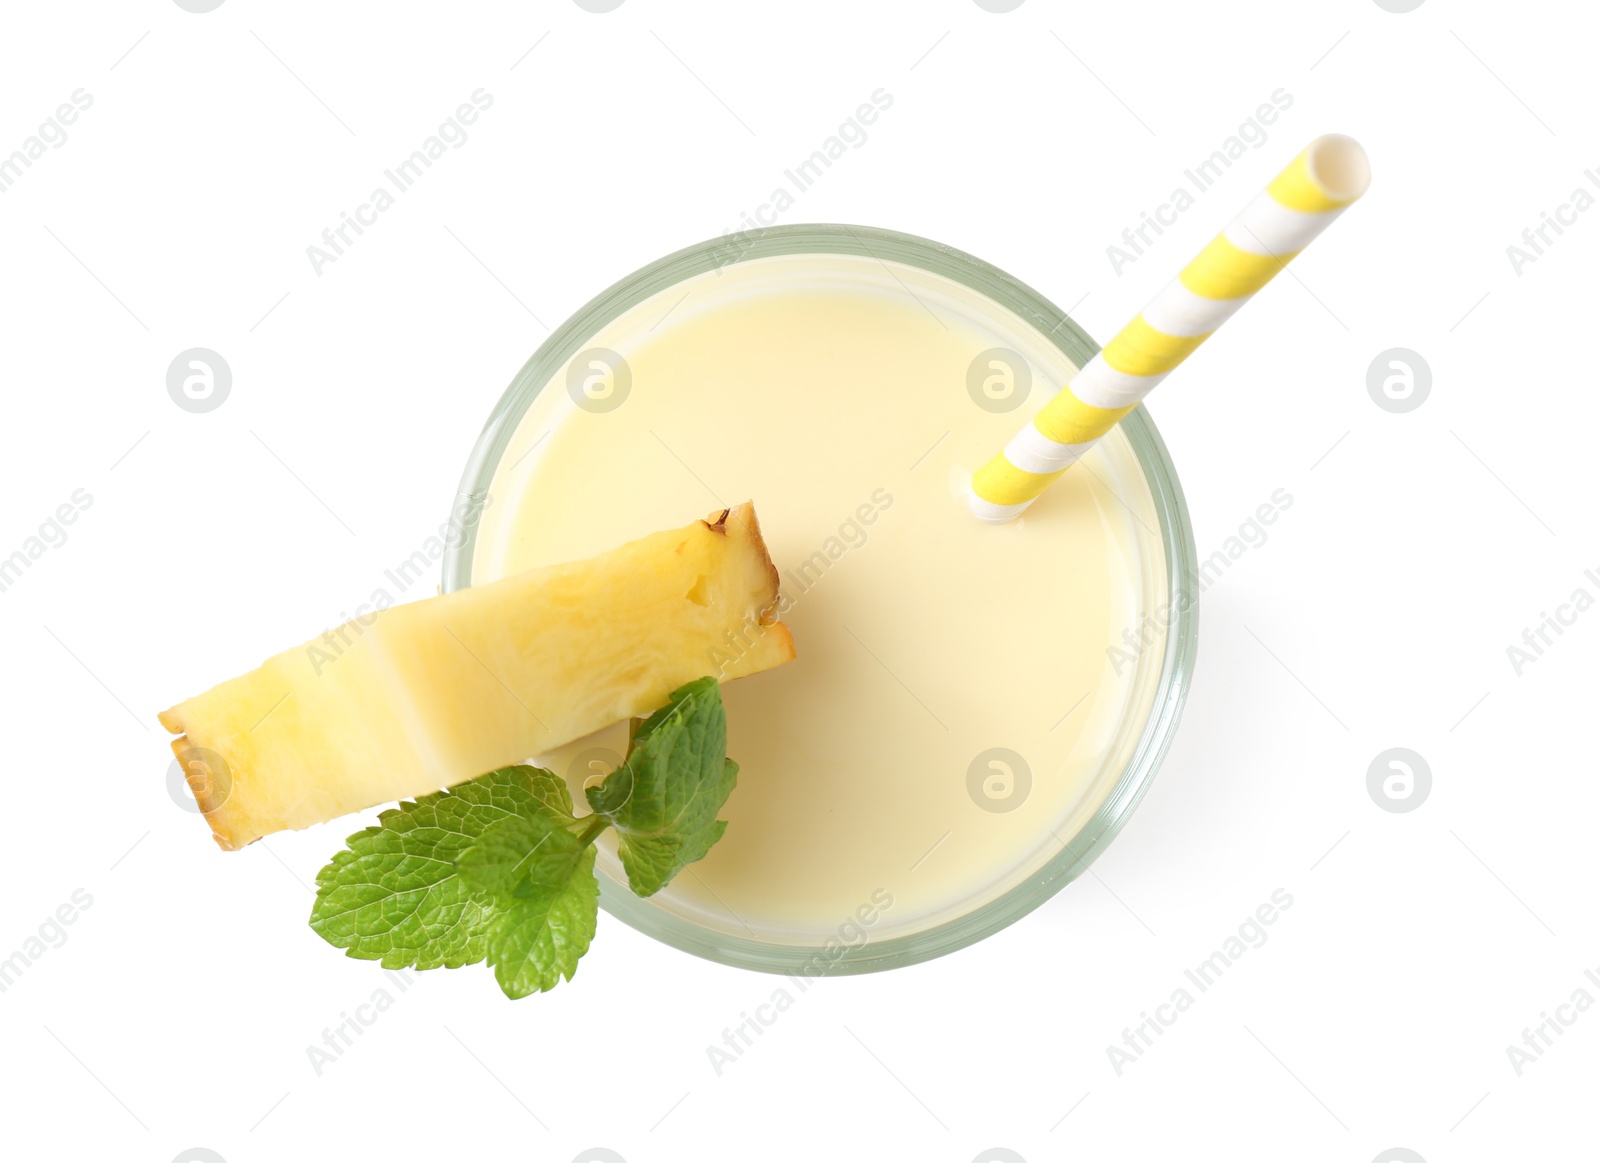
[(934, 651)]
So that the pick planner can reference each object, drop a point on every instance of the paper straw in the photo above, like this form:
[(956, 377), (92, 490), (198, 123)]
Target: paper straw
[(1298, 205)]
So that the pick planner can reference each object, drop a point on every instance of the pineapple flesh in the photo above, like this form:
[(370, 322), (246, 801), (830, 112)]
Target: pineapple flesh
[(429, 694)]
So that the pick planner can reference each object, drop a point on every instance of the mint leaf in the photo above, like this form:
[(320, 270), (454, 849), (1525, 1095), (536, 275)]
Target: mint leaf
[(541, 933), (393, 895), (538, 940), (540, 878), (664, 799)]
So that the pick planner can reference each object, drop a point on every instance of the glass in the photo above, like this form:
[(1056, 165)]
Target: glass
[(1177, 643)]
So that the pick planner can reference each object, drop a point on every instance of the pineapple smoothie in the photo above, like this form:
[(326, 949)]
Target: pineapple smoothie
[(964, 697)]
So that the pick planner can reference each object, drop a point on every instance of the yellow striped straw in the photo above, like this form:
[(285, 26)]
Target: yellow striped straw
[(1313, 190)]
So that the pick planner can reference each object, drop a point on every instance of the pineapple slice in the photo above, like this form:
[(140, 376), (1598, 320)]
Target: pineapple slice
[(435, 692)]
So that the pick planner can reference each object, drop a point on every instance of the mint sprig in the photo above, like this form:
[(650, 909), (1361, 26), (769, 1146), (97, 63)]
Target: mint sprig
[(499, 869)]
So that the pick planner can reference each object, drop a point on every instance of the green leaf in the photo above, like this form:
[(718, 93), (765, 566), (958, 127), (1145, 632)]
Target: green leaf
[(665, 797), (540, 880), (539, 937), (393, 895)]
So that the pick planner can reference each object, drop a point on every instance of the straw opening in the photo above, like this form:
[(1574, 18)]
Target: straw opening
[(1339, 165)]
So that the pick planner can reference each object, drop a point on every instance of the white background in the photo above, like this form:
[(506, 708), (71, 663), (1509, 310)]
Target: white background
[(1419, 546)]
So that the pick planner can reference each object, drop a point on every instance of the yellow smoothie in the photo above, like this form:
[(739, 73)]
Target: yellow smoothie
[(964, 694)]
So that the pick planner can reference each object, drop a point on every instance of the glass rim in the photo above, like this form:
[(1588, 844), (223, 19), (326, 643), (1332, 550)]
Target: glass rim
[(1177, 538)]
